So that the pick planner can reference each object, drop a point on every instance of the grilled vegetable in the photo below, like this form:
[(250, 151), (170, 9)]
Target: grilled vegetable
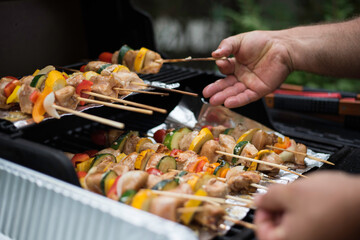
[(247, 136), (103, 67), (203, 136), (139, 59), (238, 149), (142, 199), (38, 80), (223, 165), (107, 181), (85, 85), (123, 50), (120, 142), (166, 185), (141, 142), (105, 57), (159, 135), (188, 216), (166, 163), (176, 137), (142, 159), (154, 171), (99, 158), (14, 96), (127, 196)]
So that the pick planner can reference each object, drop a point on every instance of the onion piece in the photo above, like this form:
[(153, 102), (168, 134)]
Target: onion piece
[(48, 105)]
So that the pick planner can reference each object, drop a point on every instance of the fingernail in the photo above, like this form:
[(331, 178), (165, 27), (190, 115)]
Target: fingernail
[(217, 51)]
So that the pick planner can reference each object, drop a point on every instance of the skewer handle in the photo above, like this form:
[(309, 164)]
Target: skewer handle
[(139, 91), (122, 107), (166, 89), (189, 59), (91, 117)]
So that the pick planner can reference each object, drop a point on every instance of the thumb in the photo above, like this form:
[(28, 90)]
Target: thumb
[(230, 45)]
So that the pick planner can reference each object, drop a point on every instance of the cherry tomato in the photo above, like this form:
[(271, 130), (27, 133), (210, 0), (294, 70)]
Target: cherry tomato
[(154, 171), (175, 152), (105, 57), (159, 135), (207, 126), (99, 137), (82, 69)]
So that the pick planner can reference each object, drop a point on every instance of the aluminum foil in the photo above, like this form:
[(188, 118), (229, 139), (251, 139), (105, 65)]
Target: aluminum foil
[(185, 115), (21, 120)]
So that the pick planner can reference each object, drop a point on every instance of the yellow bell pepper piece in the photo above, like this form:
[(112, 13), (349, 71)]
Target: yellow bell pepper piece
[(38, 109), (55, 81), (247, 136), (192, 182), (84, 166), (36, 72), (90, 74), (139, 59), (203, 136), (14, 96), (108, 185), (120, 157), (260, 154), (142, 199), (188, 216), (121, 68)]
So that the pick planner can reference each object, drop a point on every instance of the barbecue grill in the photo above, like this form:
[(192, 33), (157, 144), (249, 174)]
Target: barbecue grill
[(40, 147)]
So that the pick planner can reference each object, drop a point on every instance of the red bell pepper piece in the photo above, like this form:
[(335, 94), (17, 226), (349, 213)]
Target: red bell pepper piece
[(200, 166), (85, 85), (82, 68), (34, 96), (9, 88), (105, 57), (81, 174), (175, 152), (154, 171), (79, 157)]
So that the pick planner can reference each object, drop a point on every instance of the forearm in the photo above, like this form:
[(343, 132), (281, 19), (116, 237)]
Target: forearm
[(330, 49)]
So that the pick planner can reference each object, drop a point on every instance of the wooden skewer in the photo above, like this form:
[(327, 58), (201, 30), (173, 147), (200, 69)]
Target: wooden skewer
[(240, 199), (188, 59), (122, 107), (91, 117), (301, 153), (166, 89), (262, 162), (259, 186), (139, 91), (161, 110), (67, 69), (242, 223)]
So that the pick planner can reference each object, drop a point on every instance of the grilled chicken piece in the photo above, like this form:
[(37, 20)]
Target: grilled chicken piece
[(75, 79), (212, 216), (26, 80), (227, 143), (26, 105), (272, 158), (105, 85), (108, 70), (166, 207), (254, 176), (92, 182), (110, 150), (299, 159), (128, 80), (128, 59), (66, 97), (271, 139), (183, 188), (216, 188), (148, 145), (120, 169), (3, 82), (234, 171), (238, 131), (190, 162), (186, 140), (130, 144), (132, 180), (150, 64), (209, 150), (94, 66), (154, 160), (249, 151), (240, 184), (130, 160), (217, 130), (183, 157), (153, 180), (259, 139)]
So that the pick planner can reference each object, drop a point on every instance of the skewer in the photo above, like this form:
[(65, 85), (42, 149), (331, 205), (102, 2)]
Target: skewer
[(262, 162), (242, 223), (188, 59), (139, 91), (67, 69), (259, 186), (166, 89), (91, 117), (139, 110), (240, 199), (301, 153), (161, 110)]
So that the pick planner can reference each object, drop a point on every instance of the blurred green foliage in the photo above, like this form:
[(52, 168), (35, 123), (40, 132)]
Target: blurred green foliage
[(248, 15)]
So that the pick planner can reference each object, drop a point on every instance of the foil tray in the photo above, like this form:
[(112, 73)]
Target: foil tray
[(36, 206)]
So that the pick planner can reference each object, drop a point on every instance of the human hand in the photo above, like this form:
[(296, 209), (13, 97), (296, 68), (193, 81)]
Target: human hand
[(325, 206), (261, 63)]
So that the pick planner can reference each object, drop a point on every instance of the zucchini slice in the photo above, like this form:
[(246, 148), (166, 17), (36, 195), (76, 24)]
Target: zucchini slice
[(223, 165), (99, 158), (120, 142), (166, 185), (228, 131), (38, 80), (238, 149), (166, 163), (123, 50), (107, 181), (177, 136), (103, 67), (127, 196)]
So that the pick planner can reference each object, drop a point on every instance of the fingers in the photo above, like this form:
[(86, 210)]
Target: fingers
[(218, 86), (228, 46), (276, 199), (267, 228), (241, 99)]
